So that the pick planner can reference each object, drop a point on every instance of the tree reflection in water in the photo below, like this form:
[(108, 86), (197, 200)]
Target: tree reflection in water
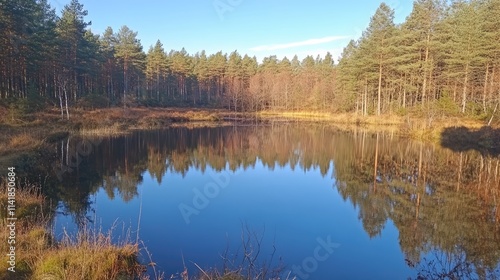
[(444, 203)]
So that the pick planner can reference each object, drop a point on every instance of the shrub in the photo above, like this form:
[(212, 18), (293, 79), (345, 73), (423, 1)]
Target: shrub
[(447, 106), (21, 108), (93, 101)]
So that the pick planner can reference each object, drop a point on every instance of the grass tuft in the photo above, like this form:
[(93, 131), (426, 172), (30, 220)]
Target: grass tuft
[(88, 255), (23, 141)]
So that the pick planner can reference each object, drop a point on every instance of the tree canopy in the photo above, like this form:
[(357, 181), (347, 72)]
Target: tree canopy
[(446, 55)]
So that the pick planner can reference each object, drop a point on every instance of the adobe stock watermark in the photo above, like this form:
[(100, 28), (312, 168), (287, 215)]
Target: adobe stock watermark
[(224, 6), (320, 254), (11, 219), (202, 196), (74, 156)]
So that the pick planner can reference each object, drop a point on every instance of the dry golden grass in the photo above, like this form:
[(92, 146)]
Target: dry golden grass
[(201, 124), (32, 238), (24, 140), (19, 142), (431, 129), (29, 195), (118, 121), (413, 126), (113, 121), (295, 115), (343, 118), (88, 255), (113, 130)]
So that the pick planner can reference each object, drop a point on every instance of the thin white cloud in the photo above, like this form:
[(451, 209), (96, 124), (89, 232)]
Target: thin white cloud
[(335, 52), (309, 42)]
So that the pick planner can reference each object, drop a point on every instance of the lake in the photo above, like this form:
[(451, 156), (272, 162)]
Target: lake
[(290, 200)]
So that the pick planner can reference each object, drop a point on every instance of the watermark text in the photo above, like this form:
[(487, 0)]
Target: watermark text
[(224, 6), (11, 219), (320, 254), (202, 196)]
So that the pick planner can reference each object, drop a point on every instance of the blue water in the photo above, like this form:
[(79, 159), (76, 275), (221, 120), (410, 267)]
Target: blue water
[(308, 202), (292, 211)]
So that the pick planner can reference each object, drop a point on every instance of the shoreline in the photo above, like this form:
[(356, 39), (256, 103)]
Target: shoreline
[(46, 126), (50, 253)]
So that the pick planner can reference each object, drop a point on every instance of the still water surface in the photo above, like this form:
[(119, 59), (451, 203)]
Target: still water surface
[(313, 202)]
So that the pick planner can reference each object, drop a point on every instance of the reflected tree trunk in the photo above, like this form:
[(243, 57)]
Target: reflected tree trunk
[(460, 171), (363, 146), (375, 165), (67, 151), (420, 162), (418, 180)]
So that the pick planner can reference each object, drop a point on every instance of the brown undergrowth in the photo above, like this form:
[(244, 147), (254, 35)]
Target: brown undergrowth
[(88, 255)]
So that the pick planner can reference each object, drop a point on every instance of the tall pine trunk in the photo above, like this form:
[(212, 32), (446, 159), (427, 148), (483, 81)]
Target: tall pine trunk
[(464, 89), (485, 89), (379, 88), (424, 84)]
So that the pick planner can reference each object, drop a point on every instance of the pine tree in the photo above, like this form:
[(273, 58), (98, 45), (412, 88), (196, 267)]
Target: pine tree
[(421, 30), (234, 76), (16, 22), (349, 73), (217, 69), (491, 12), (71, 29), (378, 43), (181, 66), (128, 50), (156, 69), (327, 81), (108, 44), (465, 46)]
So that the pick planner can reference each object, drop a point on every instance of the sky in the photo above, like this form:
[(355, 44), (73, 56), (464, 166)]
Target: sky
[(255, 27)]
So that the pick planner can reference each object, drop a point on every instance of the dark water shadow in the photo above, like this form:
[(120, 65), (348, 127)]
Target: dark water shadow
[(486, 140)]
